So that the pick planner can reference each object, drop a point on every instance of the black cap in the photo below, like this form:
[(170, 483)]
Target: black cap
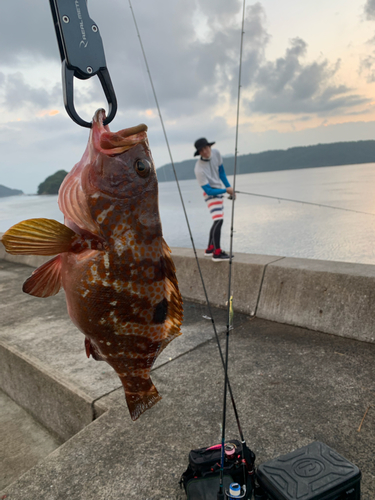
[(201, 143)]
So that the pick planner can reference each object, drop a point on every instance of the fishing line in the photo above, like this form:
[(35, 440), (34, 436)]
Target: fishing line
[(187, 222), (220, 495), (306, 203)]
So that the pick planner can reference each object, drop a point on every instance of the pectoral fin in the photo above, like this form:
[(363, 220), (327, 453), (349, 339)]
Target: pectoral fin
[(39, 237), (46, 280)]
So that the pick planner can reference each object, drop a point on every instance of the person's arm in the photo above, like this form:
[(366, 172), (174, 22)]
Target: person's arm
[(213, 191), (223, 176)]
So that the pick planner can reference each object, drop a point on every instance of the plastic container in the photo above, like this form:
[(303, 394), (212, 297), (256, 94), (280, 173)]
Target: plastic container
[(234, 491), (314, 472)]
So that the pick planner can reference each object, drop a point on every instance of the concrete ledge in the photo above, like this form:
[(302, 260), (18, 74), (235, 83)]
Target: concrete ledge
[(247, 275), (59, 406), (291, 388), (301, 386), (331, 297)]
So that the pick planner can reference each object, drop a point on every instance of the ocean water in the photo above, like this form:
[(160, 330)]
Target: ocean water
[(261, 225)]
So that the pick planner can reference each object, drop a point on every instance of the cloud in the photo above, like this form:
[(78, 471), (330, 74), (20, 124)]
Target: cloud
[(17, 93), (189, 73), (289, 86), (26, 33), (193, 56), (367, 63), (369, 10), (367, 66)]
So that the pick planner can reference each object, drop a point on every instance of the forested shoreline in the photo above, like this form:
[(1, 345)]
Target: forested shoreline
[(319, 155)]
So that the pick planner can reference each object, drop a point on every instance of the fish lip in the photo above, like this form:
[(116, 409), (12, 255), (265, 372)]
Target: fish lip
[(98, 129), (99, 117)]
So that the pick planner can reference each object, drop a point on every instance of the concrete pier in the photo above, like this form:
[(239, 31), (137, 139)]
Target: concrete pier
[(292, 385), (326, 296)]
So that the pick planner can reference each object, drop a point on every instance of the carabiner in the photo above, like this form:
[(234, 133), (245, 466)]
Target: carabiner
[(82, 54)]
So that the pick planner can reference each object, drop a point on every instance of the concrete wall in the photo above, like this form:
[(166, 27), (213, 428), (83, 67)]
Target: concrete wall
[(47, 398), (331, 297)]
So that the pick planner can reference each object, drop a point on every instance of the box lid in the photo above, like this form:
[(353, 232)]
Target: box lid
[(308, 473)]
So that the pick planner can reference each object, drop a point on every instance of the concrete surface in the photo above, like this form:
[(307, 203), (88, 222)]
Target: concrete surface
[(292, 386), (327, 296), (247, 276), (43, 364), (332, 297), (59, 406), (24, 442), (42, 367)]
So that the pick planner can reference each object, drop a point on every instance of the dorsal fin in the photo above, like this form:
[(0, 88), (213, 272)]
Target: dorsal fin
[(172, 293)]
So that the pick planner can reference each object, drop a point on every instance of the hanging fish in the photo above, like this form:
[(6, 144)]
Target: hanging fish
[(113, 263)]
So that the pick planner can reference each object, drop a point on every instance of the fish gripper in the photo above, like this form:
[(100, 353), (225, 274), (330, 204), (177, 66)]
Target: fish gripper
[(82, 54)]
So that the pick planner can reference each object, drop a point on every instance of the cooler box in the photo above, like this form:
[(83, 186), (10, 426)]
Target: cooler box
[(314, 472)]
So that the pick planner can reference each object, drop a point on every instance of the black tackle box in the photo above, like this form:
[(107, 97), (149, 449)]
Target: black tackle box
[(314, 472)]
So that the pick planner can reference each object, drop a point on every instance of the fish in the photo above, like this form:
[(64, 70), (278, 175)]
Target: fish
[(110, 258)]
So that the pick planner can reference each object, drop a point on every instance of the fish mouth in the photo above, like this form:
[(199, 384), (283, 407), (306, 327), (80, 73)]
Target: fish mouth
[(115, 143), (99, 116)]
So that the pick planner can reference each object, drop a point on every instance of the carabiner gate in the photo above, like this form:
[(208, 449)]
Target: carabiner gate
[(82, 54)]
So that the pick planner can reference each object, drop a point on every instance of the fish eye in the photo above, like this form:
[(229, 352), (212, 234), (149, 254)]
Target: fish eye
[(143, 168)]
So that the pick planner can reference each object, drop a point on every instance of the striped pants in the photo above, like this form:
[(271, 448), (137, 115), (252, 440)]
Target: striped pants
[(215, 205)]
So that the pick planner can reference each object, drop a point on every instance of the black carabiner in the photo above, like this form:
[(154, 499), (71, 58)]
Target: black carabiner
[(82, 54)]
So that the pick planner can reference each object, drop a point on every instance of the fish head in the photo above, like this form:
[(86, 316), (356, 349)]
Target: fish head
[(114, 186), (121, 165)]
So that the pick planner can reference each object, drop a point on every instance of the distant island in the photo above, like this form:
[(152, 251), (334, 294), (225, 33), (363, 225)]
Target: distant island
[(52, 184), (320, 155), (5, 191)]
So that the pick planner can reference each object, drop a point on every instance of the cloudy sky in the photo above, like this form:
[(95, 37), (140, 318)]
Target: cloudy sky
[(308, 77)]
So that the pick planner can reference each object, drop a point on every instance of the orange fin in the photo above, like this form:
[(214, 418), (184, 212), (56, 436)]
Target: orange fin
[(174, 317), (73, 203), (91, 350), (39, 237), (140, 393), (46, 280)]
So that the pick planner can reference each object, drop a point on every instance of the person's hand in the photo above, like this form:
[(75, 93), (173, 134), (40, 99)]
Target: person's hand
[(231, 193)]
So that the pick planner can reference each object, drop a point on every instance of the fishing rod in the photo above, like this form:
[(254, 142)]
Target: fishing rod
[(221, 494), (187, 222), (305, 202)]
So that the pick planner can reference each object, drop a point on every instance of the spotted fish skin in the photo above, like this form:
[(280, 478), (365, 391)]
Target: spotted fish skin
[(119, 279)]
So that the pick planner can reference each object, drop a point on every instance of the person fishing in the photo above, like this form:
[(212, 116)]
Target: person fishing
[(210, 174)]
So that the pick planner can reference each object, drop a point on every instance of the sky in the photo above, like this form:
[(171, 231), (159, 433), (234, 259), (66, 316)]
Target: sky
[(308, 77)]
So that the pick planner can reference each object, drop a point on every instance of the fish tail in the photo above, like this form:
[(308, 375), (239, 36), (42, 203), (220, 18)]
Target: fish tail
[(140, 393)]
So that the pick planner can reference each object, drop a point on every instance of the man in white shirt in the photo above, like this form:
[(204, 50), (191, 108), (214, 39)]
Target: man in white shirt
[(210, 174)]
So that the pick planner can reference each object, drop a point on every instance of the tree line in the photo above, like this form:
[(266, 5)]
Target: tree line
[(319, 155)]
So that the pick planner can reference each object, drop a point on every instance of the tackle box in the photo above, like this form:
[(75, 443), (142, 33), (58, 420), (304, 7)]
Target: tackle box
[(314, 472)]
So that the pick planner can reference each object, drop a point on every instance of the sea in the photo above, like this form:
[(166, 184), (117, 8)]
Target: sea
[(344, 231)]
